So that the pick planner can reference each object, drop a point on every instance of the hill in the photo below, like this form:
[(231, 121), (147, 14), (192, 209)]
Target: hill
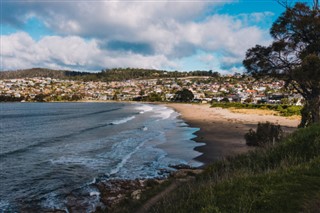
[(117, 74), (283, 178), (41, 72)]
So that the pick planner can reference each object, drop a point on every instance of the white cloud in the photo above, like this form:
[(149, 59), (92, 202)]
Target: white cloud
[(165, 31), (225, 35), (19, 50)]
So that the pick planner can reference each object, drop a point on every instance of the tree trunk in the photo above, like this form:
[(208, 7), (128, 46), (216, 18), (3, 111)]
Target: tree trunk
[(310, 112), (315, 107)]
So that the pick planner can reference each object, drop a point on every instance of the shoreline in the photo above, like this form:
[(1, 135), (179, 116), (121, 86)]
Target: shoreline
[(223, 131)]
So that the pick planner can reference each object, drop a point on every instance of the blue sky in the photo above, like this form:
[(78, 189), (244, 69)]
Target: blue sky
[(171, 35)]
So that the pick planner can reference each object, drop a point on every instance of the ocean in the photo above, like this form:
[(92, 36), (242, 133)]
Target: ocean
[(51, 150)]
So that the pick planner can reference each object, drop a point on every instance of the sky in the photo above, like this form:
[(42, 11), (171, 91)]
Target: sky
[(91, 35)]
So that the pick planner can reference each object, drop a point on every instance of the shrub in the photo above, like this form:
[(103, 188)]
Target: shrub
[(266, 134)]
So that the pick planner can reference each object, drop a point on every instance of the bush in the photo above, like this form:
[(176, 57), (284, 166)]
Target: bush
[(266, 134)]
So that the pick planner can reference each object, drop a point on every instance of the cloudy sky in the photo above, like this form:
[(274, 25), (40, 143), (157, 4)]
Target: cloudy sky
[(94, 34)]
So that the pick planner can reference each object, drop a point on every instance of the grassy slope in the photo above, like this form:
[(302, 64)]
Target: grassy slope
[(285, 178)]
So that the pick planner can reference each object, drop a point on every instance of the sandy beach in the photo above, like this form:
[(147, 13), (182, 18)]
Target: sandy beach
[(222, 130)]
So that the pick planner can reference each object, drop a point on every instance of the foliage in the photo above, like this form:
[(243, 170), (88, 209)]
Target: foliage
[(283, 109), (294, 56), (281, 178), (266, 134), (116, 74), (183, 95), (154, 97), (4, 98), (40, 98), (42, 72)]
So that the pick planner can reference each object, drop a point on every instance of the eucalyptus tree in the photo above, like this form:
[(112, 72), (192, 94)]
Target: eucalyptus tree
[(293, 56)]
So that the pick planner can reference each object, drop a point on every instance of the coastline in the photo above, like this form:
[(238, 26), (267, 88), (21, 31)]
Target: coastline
[(223, 131)]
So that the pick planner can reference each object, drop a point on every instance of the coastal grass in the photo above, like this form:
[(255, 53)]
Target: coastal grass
[(281, 178), (254, 111), (276, 109)]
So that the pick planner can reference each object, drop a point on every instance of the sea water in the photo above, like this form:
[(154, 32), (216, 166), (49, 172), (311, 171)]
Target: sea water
[(51, 150)]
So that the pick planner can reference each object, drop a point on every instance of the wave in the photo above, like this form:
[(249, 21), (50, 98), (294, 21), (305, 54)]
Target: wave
[(48, 114), (58, 139), (23, 115), (4, 205), (52, 201), (102, 111), (125, 159), (63, 137), (144, 108), (95, 193), (78, 115), (135, 147), (122, 121), (163, 113)]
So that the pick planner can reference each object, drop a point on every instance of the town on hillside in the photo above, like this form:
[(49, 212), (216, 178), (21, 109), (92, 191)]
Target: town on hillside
[(222, 88)]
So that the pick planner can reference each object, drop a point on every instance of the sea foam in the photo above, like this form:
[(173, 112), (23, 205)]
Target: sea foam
[(144, 108), (163, 113), (122, 121), (125, 159)]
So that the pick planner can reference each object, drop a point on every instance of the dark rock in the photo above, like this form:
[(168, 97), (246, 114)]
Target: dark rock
[(181, 166)]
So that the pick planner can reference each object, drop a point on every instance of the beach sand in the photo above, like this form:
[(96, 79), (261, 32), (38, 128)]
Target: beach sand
[(223, 131)]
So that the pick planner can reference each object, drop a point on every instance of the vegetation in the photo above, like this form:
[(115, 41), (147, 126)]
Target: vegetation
[(266, 134), (281, 178), (283, 109), (120, 74), (42, 72), (4, 98), (116, 74), (183, 95), (294, 56), (153, 97)]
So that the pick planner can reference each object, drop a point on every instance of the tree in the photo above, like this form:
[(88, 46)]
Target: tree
[(40, 97), (154, 97), (294, 56), (286, 3), (184, 95)]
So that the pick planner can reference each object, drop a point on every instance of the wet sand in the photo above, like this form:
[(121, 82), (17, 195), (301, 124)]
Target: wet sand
[(223, 131)]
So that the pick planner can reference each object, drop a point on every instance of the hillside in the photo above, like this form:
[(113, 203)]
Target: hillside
[(283, 178), (117, 74), (41, 72)]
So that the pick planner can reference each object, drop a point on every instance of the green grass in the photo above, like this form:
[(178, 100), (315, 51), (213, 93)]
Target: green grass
[(283, 109), (284, 178)]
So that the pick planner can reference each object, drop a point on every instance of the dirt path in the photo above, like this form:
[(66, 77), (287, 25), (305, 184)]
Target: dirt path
[(152, 201)]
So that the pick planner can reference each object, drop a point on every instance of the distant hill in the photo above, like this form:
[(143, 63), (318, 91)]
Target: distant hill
[(117, 74), (41, 72)]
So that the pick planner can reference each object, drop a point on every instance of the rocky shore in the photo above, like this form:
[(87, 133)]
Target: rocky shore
[(114, 191)]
